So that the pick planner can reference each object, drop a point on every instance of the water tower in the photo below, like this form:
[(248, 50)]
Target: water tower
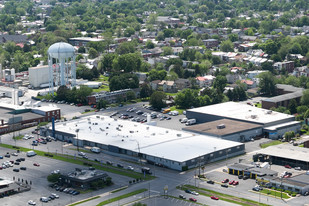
[(61, 63)]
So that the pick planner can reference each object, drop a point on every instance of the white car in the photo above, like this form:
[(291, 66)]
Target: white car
[(194, 193), (55, 195), (44, 199), (130, 168), (31, 202), (81, 154)]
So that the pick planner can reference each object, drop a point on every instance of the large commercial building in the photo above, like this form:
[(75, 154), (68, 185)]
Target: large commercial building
[(228, 129), (284, 154), (173, 149), (14, 117), (274, 124)]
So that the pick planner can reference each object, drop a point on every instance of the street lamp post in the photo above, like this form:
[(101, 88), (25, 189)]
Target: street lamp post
[(77, 130)]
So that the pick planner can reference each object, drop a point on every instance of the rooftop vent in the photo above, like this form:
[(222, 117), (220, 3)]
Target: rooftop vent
[(166, 131), (221, 126), (269, 112), (147, 128), (178, 135), (98, 117), (64, 124), (131, 131), (254, 116)]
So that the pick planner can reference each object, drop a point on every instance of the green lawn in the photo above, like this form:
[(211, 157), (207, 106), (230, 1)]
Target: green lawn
[(122, 197), (275, 193), (81, 150), (102, 88), (258, 105), (103, 78), (179, 110), (19, 137), (272, 143)]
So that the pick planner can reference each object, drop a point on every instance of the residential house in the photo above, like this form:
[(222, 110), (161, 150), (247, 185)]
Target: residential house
[(205, 81), (211, 43), (167, 86), (14, 38), (182, 84), (83, 41), (301, 71), (232, 78), (155, 84), (253, 74), (247, 38), (155, 52), (250, 84), (286, 65), (168, 20), (177, 50)]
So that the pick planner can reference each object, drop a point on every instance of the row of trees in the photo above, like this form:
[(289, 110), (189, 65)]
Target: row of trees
[(75, 95)]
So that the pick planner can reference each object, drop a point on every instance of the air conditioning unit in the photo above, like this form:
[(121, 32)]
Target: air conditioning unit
[(253, 116), (221, 126), (269, 112), (178, 135)]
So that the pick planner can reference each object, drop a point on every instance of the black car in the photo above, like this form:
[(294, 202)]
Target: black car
[(120, 165), (188, 191), (245, 177), (7, 155), (52, 197), (96, 160), (22, 159), (240, 176), (16, 170), (224, 185), (18, 160), (109, 163), (76, 193), (16, 163), (23, 168), (91, 168), (210, 182)]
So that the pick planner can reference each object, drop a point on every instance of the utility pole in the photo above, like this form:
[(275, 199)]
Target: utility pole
[(77, 130)]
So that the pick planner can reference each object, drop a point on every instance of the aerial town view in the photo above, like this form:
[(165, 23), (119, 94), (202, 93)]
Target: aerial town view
[(154, 102)]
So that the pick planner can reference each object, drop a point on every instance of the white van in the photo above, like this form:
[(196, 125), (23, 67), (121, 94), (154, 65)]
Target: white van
[(31, 153), (190, 122), (95, 150)]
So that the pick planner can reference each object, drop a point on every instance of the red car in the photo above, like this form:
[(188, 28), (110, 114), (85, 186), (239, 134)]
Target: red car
[(225, 181), (231, 182), (192, 199), (235, 183), (214, 198), (287, 166), (36, 164)]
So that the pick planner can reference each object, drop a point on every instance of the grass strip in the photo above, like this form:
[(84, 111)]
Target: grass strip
[(272, 143), (224, 197), (105, 202), (80, 161), (120, 189), (83, 201), (275, 193), (81, 150)]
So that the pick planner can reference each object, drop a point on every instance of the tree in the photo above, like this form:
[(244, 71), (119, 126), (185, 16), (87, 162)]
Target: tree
[(127, 62), (293, 106), (268, 66), (102, 104), (149, 45), (53, 178), (93, 53), (62, 93), (305, 98), (187, 98), (220, 83), (130, 95), (227, 46), (145, 91), (157, 100), (267, 84)]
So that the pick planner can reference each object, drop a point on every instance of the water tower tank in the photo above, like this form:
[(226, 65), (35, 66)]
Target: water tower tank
[(61, 50)]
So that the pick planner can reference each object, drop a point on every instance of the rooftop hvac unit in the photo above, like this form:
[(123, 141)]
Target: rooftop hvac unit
[(269, 112), (221, 126), (166, 131), (89, 122), (131, 131), (254, 116), (64, 124), (98, 117), (88, 119), (178, 135), (147, 128)]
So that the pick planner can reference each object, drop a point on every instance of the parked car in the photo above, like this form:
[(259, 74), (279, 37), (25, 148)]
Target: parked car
[(231, 182), (130, 168), (235, 183), (182, 196), (1, 157), (224, 185), (194, 193), (240, 176), (31, 202), (225, 181), (16, 170), (245, 177), (188, 191), (192, 199), (297, 168), (44, 199), (287, 166), (214, 197), (120, 165), (210, 182), (36, 164), (109, 162), (23, 168)]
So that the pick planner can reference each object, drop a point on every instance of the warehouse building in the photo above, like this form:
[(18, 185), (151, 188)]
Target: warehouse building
[(228, 129), (173, 149), (284, 154), (298, 183), (274, 124)]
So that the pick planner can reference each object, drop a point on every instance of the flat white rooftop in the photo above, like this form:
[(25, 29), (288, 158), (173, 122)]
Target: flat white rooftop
[(243, 112), (286, 151), (150, 140)]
